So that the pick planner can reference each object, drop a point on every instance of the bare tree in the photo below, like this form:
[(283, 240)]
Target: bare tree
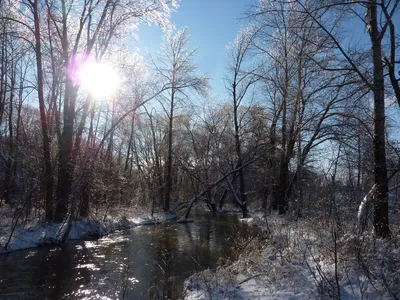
[(378, 17), (99, 22), (307, 94), (238, 82), (177, 71)]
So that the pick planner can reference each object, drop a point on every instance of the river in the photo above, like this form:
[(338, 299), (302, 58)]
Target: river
[(146, 262)]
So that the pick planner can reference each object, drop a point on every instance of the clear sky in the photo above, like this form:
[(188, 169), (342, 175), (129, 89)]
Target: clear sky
[(212, 25)]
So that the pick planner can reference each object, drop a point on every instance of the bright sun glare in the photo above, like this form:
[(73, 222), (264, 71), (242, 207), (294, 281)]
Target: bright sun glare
[(99, 79)]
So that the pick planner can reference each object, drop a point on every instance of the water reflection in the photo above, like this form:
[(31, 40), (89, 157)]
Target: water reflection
[(148, 262)]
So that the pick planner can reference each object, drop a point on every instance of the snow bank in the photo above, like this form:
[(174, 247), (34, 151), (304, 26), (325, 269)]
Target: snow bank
[(296, 260), (37, 235), (31, 236)]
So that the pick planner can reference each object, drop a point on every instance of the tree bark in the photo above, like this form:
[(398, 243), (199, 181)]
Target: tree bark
[(168, 174), (8, 180), (66, 159), (381, 210), (238, 148), (284, 164), (43, 119)]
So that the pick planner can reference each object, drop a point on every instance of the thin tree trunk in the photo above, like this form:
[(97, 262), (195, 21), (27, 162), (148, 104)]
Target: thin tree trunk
[(284, 166), (238, 148), (157, 160), (129, 144), (168, 175), (90, 138), (8, 181), (46, 140), (79, 132)]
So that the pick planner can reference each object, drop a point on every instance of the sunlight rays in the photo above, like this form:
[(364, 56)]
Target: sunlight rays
[(99, 79)]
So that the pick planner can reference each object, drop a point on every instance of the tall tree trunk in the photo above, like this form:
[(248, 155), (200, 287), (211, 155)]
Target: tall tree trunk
[(238, 148), (8, 180), (129, 144), (90, 138), (85, 161), (270, 181), (88, 161), (157, 161), (84, 182), (282, 187), (381, 211), (43, 119), (18, 125), (284, 164), (66, 159), (3, 75), (79, 131), (168, 173)]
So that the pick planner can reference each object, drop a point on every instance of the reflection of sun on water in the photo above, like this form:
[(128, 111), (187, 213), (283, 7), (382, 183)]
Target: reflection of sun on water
[(99, 79)]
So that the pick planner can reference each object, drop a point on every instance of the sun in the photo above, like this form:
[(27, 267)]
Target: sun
[(98, 78)]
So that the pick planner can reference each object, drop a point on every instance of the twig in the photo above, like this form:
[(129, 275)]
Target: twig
[(257, 275)]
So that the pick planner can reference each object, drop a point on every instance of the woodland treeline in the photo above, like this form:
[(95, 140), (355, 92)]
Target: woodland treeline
[(305, 127)]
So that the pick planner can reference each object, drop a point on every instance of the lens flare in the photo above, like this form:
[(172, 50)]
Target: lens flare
[(99, 79)]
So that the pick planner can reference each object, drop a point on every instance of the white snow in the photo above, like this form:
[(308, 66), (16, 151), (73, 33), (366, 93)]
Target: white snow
[(295, 260), (35, 234), (40, 234)]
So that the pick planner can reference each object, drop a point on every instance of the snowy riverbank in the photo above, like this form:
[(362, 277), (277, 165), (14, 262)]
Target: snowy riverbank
[(35, 234), (305, 260)]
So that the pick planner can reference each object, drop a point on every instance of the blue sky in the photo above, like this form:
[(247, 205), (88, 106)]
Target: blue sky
[(212, 25)]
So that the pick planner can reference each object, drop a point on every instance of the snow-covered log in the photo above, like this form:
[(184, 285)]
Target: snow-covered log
[(362, 209)]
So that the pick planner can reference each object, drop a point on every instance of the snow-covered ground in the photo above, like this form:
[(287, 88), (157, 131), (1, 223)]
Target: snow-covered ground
[(296, 260), (34, 233)]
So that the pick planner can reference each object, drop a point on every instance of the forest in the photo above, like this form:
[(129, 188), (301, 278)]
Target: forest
[(301, 151)]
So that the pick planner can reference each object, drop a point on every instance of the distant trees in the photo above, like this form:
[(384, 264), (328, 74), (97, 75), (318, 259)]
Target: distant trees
[(309, 66), (47, 32), (99, 23), (14, 68), (296, 87), (302, 97), (177, 72)]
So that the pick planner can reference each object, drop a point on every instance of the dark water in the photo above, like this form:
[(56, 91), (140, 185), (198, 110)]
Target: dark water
[(147, 262)]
